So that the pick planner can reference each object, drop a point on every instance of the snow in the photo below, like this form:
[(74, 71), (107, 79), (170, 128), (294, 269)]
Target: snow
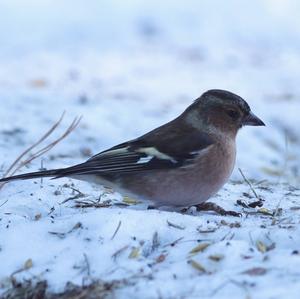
[(127, 67)]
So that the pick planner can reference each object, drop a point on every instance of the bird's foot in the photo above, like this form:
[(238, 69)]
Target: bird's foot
[(210, 206)]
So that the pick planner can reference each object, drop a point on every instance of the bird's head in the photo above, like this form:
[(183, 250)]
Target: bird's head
[(221, 110)]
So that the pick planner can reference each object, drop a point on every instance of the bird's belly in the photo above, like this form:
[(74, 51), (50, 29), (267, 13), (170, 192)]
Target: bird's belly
[(188, 189), (188, 186)]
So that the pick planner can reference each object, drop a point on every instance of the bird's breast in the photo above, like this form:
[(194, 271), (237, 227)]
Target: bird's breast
[(210, 171)]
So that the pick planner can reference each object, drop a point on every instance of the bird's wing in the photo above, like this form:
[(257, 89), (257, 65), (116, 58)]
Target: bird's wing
[(142, 154)]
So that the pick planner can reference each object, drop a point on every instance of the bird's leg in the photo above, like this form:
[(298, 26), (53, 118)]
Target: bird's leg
[(210, 206)]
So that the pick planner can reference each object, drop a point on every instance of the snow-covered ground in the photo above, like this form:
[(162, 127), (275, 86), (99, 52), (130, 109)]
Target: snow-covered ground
[(127, 67)]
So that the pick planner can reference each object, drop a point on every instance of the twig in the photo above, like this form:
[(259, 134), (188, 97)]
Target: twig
[(119, 251), (46, 135), (85, 204), (276, 212), (174, 242), (88, 268), (155, 242), (71, 128), (4, 203), (63, 235), (18, 164), (175, 225), (216, 290), (248, 182), (117, 229), (27, 265), (47, 148), (74, 190), (78, 195)]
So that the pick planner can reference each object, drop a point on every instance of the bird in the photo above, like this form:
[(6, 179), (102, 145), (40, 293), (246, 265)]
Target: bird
[(179, 164)]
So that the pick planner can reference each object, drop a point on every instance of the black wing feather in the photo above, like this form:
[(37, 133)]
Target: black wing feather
[(125, 157), (174, 146)]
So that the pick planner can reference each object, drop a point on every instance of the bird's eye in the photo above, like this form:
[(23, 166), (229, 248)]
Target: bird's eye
[(233, 114)]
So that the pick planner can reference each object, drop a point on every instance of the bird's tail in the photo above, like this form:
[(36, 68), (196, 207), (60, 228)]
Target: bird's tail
[(32, 175)]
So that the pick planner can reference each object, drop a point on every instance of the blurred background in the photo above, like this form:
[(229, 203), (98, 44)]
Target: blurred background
[(129, 66)]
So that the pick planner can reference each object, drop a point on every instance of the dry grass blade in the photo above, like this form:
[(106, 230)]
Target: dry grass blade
[(197, 266), (45, 136), (117, 229), (119, 251), (249, 184), (18, 164), (199, 248), (47, 148)]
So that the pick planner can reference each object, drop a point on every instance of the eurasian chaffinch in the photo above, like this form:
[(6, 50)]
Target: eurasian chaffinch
[(181, 163)]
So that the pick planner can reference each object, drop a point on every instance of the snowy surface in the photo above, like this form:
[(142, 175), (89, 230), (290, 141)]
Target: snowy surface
[(127, 67)]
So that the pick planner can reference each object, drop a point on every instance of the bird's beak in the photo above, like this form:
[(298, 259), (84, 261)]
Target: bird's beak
[(252, 120)]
